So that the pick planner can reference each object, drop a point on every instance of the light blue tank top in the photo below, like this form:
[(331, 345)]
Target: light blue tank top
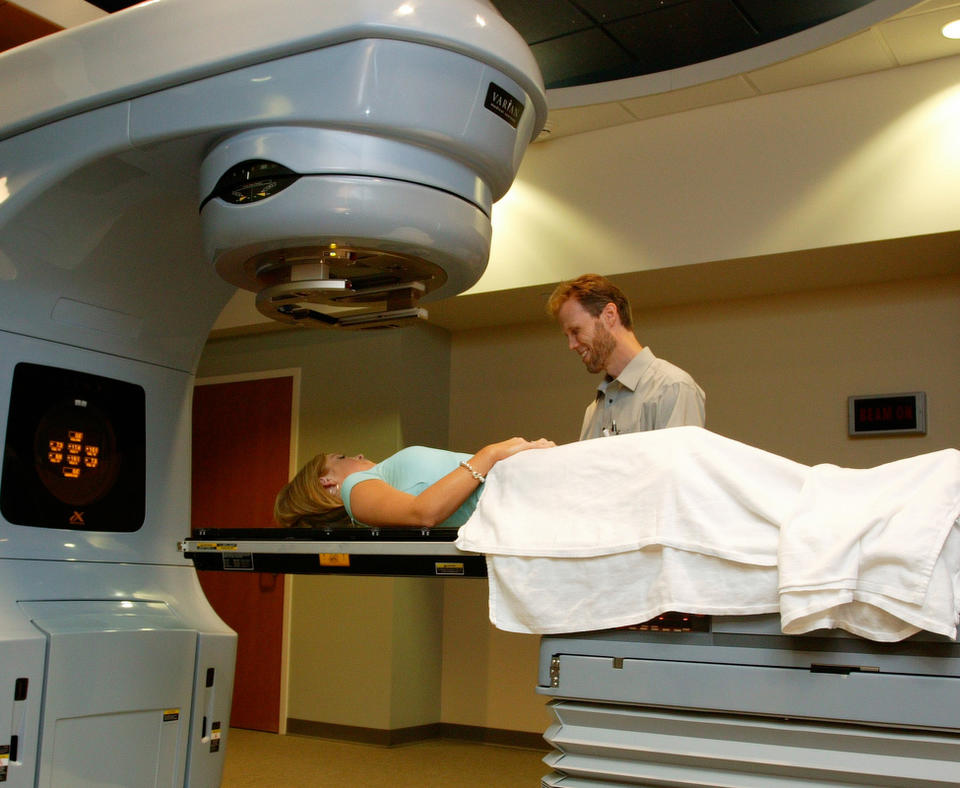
[(412, 470)]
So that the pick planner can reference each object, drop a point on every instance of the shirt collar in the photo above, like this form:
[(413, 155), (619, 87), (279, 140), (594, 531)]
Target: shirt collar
[(631, 374)]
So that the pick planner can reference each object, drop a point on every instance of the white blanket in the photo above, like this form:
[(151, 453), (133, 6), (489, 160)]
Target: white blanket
[(614, 531), (874, 551)]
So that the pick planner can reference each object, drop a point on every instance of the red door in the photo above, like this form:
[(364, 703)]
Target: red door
[(241, 458)]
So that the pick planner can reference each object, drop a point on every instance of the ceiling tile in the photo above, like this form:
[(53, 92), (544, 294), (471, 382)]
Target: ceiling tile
[(914, 39), (705, 95), (678, 35), (783, 18), (543, 19), (564, 122), (860, 54), (610, 10), (929, 5), (570, 57)]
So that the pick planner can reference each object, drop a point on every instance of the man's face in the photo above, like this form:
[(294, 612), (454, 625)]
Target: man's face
[(587, 335)]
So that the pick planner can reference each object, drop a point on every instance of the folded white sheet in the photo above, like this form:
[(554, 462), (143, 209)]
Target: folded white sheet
[(614, 531), (685, 487), (863, 546), (554, 595)]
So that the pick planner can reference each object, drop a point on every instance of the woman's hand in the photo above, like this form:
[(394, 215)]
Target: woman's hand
[(490, 455)]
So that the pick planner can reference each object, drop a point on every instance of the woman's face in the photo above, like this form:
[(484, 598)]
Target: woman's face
[(340, 466)]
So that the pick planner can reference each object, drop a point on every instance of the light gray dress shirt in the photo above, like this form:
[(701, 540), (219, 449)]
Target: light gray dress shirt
[(649, 394)]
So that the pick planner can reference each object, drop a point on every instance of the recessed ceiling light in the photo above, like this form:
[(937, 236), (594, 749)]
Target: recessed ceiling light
[(951, 29)]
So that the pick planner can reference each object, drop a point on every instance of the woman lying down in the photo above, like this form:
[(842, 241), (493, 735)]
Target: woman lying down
[(615, 531), (416, 486)]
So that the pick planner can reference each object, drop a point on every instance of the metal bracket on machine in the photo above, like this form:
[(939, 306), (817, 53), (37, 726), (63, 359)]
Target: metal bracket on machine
[(366, 301), (284, 302)]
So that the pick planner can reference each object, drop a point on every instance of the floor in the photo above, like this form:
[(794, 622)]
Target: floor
[(264, 760)]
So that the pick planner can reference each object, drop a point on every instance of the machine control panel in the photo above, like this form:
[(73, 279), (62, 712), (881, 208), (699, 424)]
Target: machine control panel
[(74, 453)]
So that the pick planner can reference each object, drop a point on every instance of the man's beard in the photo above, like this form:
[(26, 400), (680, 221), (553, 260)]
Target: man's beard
[(601, 348)]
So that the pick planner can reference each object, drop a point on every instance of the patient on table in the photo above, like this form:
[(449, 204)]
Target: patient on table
[(417, 486), (615, 531)]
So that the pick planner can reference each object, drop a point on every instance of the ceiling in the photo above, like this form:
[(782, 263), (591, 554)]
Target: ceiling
[(578, 42), (863, 41), (609, 62)]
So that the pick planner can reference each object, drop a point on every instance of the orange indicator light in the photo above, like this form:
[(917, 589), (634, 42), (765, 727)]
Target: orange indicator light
[(55, 457), (56, 445), (75, 435), (71, 473), (91, 462)]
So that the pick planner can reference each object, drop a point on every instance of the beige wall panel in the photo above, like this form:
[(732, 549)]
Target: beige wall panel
[(417, 664), (516, 380), (777, 370), (862, 159), (341, 650), (489, 676)]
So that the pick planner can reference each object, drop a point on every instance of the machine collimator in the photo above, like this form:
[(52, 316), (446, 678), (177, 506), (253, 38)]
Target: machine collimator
[(339, 159)]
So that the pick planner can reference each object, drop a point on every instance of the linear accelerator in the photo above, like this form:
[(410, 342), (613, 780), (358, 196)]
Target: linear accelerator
[(340, 160)]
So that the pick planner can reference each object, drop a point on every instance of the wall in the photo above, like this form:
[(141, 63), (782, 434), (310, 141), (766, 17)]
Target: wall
[(849, 161), (777, 371), (366, 653)]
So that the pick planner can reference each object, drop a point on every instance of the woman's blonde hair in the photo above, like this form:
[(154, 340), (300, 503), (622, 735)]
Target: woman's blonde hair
[(304, 496)]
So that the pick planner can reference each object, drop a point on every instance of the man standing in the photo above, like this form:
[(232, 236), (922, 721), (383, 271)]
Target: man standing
[(639, 391)]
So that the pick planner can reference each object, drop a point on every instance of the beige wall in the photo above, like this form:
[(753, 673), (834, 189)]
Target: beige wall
[(777, 370), (366, 652), (849, 161)]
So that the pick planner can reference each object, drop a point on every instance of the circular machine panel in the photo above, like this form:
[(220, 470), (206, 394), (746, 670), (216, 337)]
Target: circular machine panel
[(74, 451)]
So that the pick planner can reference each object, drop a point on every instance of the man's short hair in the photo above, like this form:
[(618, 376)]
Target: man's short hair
[(593, 292)]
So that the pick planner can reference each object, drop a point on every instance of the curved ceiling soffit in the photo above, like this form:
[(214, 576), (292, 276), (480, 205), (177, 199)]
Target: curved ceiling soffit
[(737, 63)]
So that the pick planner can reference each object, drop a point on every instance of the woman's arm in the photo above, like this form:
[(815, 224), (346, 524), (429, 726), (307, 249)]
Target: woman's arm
[(375, 502)]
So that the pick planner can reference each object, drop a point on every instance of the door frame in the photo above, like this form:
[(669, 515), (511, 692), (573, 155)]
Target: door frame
[(296, 374)]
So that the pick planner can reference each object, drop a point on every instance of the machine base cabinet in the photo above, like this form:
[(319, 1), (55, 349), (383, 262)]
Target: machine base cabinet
[(127, 683), (21, 687), (604, 745), (731, 701)]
